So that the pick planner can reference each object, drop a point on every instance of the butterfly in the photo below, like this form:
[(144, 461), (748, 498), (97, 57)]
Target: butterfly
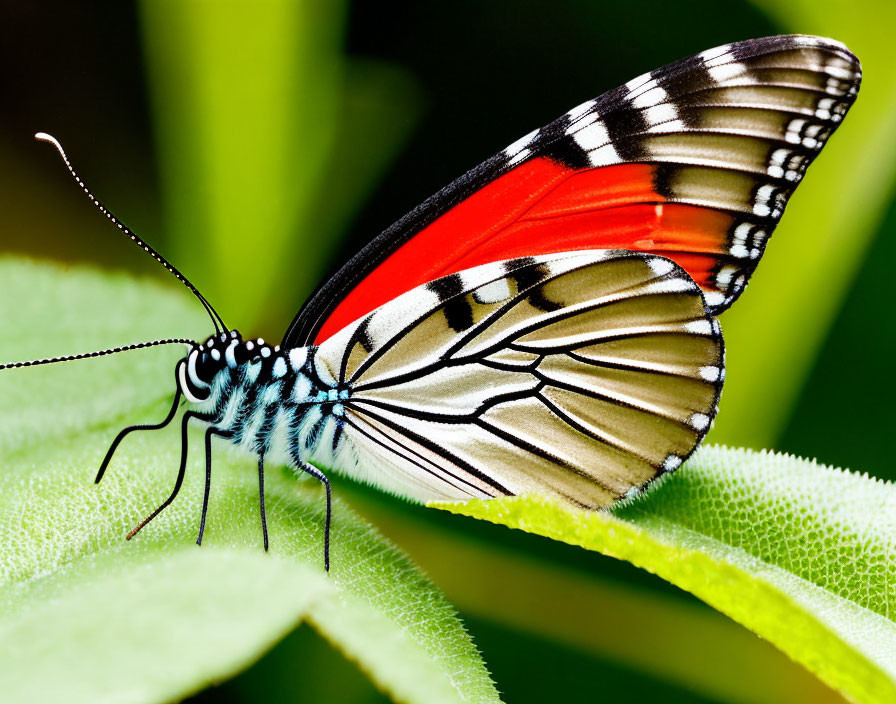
[(546, 324)]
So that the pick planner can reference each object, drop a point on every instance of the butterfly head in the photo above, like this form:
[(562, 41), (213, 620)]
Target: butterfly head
[(204, 360), (222, 351)]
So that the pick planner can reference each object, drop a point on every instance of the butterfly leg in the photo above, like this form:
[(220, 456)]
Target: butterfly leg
[(264, 521), (209, 432), (121, 436), (180, 472), (317, 474)]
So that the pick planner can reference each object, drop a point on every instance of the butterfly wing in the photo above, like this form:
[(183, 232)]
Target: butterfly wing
[(579, 375), (694, 161)]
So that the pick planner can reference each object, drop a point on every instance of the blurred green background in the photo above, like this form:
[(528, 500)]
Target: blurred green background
[(257, 145)]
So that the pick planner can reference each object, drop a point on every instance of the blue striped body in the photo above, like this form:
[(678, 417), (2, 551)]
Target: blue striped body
[(285, 407)]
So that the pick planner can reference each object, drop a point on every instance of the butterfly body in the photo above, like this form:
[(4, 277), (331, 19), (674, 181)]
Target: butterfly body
[(274, 404), (545, 324)]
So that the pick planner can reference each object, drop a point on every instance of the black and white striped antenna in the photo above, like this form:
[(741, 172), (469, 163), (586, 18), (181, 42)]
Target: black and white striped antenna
[(98, 353), (170, 268)]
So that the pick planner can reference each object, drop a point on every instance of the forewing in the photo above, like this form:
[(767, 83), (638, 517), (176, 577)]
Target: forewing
[(580, 376), (694, 161)]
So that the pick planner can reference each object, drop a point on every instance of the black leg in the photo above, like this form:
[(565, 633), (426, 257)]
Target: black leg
[(264, 520), (131, 429), (180, 473), (210, 431), (317, 474)]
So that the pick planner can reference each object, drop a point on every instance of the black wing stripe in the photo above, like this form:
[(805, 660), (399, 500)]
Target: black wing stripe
[(438, 450), (408, 454), (605, 438), (525, 264), (445, 417), (545, 455), (632, 367), (619, 295), (595, 337), (617, 399)]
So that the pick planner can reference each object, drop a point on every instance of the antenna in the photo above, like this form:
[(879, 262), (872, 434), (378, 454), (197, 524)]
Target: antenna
[(213, 314), (98, 353)]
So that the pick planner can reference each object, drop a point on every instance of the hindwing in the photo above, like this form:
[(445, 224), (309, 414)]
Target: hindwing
[(580, 376)]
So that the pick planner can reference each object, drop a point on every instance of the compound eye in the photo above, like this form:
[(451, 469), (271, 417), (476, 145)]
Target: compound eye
[(241, 354), (207, 366)]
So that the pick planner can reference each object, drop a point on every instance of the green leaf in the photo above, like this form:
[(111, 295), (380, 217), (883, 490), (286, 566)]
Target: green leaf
[(88, 616), (606, 612), (801, 554)]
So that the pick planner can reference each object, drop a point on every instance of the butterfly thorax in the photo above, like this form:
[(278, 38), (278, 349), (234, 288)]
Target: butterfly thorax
[(281, 404)]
